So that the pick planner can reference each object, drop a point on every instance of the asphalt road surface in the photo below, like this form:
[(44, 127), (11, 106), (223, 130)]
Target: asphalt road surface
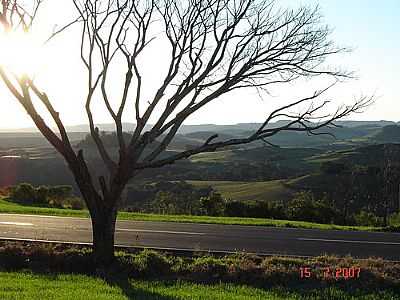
[(168, 235)]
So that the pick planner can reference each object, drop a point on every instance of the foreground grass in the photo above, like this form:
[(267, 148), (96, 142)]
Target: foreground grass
[(10, 207), (26, 285), (57, 271)]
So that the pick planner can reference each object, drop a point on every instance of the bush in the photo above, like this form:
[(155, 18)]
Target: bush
[(58, 194), (42, 194), (55, 196), (152, 263), (74, 203), (5, 191), (304, 207), (366, 218), (257, 209), (212, 266), (213, 205), (236, 209), (24, 193), (60, 191), (394, 219)]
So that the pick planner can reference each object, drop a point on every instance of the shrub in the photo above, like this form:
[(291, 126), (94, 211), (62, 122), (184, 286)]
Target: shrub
[(59, 193), (215, 267), (151, 263), (60, 196), (74, 203), (56, 196), (304, 207), (366, 218), (5, 191), (394, 219), (255, 209), (23, 192), (236, 209), (213, 205), (42, 194)]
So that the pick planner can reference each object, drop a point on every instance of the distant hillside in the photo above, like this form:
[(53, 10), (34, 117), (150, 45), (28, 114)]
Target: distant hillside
[(373, 156), (349, 134), (387, 134), (30, 139), (185, 129), (204, 135), (271, 191), (350, 123)]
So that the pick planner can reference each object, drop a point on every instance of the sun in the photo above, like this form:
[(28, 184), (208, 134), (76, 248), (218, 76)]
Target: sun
[(20, 53)]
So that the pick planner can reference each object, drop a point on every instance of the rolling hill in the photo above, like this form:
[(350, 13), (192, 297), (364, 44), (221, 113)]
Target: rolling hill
[(273, 191), (387, 134)]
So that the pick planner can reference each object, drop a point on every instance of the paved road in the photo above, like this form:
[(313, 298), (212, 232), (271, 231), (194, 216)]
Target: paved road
[(255, 239)]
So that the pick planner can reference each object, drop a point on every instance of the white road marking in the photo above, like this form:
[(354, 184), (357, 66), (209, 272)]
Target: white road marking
[(16, 223), (161, 231), (348, 241)]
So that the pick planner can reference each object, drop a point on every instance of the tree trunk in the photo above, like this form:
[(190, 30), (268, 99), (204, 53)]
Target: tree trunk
[(103, 226)]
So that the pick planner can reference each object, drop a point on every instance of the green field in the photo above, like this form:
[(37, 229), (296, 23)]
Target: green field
[(217, 156), (9, 207), (294, 158), (273, 190), (32, 286)]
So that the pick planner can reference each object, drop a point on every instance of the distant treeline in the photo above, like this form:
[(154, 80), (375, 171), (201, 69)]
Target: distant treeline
[(183, 198), (47, 196)]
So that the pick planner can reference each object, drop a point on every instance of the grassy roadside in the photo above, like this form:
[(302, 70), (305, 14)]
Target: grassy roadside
[(10, 207), (33, 286), (56, 271)]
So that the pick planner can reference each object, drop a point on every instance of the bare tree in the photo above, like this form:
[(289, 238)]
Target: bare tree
[(214, 47)]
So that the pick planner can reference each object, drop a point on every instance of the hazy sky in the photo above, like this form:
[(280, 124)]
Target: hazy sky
[(370, 27)]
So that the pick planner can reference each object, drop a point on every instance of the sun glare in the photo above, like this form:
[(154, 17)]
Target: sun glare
[(20, 53)]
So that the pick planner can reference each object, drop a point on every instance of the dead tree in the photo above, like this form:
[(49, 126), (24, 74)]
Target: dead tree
[(214, 47)]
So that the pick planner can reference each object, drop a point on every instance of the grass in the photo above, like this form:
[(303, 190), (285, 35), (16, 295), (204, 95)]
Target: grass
[(11, 207), (14, 208), (272, 191), (218, 156), (34, 286), (290, 157), (56, 271), (30, 286), (330, 156)]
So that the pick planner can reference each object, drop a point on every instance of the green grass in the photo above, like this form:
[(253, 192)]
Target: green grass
[(9, 207), (58, 271), (32, 286), (293, 158), (330, 156), (29, 286), (273, 190), (218, 156)]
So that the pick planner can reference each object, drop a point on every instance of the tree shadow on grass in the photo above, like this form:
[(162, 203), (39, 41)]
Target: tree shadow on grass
[(132, 292), (302, 291)]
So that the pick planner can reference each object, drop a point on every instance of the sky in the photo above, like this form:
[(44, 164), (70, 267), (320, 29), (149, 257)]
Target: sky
[(369, 27)]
